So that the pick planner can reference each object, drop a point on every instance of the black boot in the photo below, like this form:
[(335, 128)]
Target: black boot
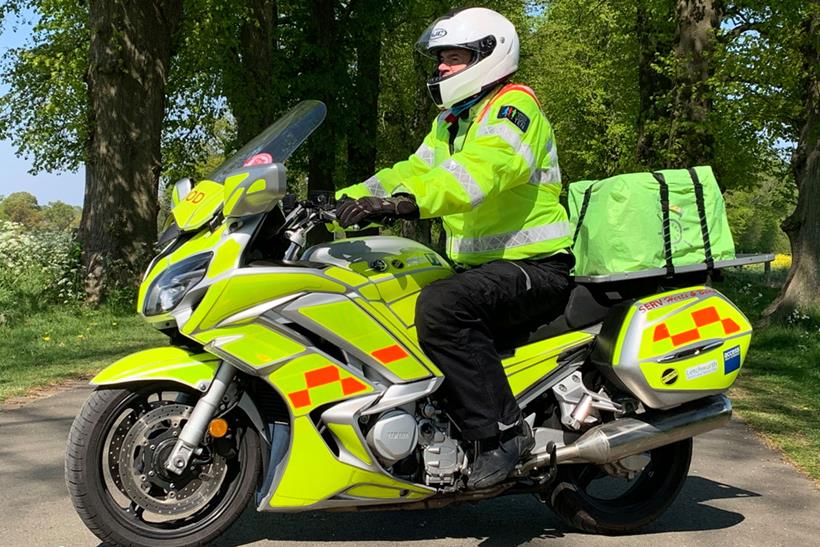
[(497, 457)]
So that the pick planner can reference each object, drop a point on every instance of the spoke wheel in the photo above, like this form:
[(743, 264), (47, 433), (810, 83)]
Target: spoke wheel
[(117, 478), (586, 497)]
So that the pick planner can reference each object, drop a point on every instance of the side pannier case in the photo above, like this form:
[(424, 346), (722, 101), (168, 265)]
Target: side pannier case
[(674, 347)]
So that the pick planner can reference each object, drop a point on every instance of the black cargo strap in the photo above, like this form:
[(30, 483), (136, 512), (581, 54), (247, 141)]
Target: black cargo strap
[(704, 227), (667, 237), (582, 213)]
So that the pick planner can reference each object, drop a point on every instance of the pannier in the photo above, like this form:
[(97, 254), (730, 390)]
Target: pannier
[(643, 221)]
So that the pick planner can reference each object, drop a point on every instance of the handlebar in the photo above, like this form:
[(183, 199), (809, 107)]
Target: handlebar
[(302, 216)]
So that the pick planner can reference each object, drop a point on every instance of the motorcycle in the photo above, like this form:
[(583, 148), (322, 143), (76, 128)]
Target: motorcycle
[(294, 379)]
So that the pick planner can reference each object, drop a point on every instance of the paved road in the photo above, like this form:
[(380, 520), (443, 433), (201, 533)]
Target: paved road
[(739, 493)]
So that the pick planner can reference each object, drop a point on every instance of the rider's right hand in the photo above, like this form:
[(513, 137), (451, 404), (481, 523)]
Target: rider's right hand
[(350, 212)]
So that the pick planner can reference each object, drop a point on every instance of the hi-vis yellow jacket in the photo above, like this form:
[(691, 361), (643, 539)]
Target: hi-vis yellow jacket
[(491, 174)]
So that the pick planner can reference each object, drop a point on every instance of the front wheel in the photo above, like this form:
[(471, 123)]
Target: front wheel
[(117, 479), (586, 497)]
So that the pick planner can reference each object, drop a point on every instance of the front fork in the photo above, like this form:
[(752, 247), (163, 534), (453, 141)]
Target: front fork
[(194, 431)]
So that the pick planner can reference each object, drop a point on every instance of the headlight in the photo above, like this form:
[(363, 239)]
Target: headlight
[(171, 285)]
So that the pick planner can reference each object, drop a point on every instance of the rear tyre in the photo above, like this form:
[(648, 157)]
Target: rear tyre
[(115, 478), (582, 496)]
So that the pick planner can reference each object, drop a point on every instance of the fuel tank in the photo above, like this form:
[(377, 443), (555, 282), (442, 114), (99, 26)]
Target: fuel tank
[(379, 255)]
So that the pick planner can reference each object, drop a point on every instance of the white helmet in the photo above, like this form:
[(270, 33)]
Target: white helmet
[(492, 39)]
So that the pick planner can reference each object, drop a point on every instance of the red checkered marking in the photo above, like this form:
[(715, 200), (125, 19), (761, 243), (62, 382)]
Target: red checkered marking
[(322, 377), (702, 318), (389, 354)]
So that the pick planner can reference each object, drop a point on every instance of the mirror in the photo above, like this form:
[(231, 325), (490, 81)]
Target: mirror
[(182, 188), (254, 189)]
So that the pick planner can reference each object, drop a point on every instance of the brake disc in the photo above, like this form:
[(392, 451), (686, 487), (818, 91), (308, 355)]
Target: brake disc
[(141, 466)]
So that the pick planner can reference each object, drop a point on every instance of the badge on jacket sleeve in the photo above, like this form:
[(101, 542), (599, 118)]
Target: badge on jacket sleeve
[(518, 118)]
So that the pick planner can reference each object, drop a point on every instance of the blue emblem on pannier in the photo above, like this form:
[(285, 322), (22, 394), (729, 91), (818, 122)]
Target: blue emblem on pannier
[(731, 360)]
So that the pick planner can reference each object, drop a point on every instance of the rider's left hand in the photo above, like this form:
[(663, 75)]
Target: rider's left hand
[(357, 211)]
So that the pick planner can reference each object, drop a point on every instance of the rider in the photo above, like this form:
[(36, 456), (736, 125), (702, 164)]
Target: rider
[(489, 168)]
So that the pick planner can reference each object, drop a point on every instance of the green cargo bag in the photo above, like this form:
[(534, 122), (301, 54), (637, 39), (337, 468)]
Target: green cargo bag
[(643, 221)]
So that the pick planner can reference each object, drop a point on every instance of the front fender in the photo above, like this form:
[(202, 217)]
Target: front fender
[(196, 370)]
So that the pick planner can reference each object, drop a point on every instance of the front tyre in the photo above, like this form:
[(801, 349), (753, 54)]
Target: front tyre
[(116, 478), (587, 498)]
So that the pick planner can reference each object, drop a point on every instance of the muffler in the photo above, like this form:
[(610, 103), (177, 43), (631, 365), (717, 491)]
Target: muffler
[(618, 439)]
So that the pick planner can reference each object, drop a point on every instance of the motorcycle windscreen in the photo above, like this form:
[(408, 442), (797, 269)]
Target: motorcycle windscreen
[(276, 143)]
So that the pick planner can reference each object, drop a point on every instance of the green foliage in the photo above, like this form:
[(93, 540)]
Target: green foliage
[(582, 62), (44, 114), (22, 208), (37, 269), (756, 213)]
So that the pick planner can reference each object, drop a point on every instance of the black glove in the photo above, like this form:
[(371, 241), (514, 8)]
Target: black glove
[(356, 211)]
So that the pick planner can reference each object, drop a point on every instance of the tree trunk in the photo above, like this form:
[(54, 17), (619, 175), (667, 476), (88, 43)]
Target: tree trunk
[(803, 226), (325, 72), (254, 91), (131, 47), (322, 61), (654, 35), (363, 129), (691, 141)]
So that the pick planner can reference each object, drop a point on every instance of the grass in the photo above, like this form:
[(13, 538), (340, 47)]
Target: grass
[(778, 390), (60, 344)]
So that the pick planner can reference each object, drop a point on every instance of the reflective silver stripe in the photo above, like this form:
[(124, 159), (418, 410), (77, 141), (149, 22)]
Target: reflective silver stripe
[(511, 137), (546, 176), (375, 187), (466, 181), (552, 174), (426, 154), (520, 238)]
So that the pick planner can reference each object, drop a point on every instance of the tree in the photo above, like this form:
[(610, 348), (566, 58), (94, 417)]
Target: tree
[(22, 208), (131, 49), (654, 30), (60, 217), (691, 139), (803, 226), (45, 112), (582, 60)]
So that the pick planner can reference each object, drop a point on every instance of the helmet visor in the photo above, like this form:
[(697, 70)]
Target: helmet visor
[(446, 33)]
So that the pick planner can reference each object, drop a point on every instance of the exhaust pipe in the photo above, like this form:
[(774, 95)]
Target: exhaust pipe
[(618, 439)]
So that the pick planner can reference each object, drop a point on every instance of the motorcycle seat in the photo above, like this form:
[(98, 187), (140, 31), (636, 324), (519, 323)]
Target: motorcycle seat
[(584, 308)]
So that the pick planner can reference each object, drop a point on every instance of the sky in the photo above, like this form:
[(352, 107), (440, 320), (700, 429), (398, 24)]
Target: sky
[(14, 177)]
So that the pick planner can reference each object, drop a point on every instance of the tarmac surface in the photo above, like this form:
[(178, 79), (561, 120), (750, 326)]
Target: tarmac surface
[(739, 492)]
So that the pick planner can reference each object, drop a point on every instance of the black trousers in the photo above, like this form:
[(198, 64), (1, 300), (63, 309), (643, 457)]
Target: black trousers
[(463, 320)]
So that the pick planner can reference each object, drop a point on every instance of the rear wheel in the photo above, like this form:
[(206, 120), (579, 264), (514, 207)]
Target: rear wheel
[(586, 497), (116, 477)]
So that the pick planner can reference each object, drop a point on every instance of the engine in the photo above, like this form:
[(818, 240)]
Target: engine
[(397, 435), (393, 437)]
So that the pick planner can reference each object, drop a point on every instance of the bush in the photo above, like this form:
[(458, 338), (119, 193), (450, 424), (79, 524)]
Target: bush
[(37, 269)]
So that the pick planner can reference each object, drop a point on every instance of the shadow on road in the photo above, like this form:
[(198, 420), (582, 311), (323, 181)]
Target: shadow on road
[(512, 520)]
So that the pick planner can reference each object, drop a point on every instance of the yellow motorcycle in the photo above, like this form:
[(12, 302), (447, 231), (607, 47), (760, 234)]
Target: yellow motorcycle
[(293, 379)]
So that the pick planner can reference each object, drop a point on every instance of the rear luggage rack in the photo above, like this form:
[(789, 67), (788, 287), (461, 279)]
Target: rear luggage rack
[(740, 260)]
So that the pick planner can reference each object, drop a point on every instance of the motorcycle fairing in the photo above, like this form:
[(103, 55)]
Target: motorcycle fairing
[(533, 362), (314, 477), (227, 250), (199, 206), (192, 369)]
